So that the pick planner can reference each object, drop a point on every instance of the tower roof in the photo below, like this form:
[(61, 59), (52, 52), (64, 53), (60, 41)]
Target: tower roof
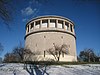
[(49, 16)]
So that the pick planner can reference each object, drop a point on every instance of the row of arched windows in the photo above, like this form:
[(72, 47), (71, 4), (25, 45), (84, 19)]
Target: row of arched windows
[(53, 23)]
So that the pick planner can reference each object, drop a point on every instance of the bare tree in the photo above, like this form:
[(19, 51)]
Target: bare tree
[(87, 55), (32, 56), (19, 52), (9, 57), (28, 55), (56, 51), (6, 57), (5, 11)]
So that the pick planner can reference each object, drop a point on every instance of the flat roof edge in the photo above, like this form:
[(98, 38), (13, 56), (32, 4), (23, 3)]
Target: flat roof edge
[(45, 16)]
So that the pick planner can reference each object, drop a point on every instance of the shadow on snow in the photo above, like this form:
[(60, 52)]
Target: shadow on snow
[(36, 70)]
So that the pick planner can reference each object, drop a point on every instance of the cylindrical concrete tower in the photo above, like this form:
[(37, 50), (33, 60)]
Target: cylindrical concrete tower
[(45, 31)]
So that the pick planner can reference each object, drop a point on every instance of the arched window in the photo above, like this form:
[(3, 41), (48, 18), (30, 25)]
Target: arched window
[(32, 25), (52, 23), (60, 24), (66, 25), (37, 24), (44, 23), (28, 28), (71, 28)]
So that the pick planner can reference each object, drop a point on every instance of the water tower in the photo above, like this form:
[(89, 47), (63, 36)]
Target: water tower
[(44, 31)]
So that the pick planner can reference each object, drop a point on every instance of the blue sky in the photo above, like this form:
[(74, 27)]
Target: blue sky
[(84, 13)]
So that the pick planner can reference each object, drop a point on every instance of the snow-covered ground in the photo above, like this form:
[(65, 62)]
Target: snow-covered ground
[(18, 69)]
